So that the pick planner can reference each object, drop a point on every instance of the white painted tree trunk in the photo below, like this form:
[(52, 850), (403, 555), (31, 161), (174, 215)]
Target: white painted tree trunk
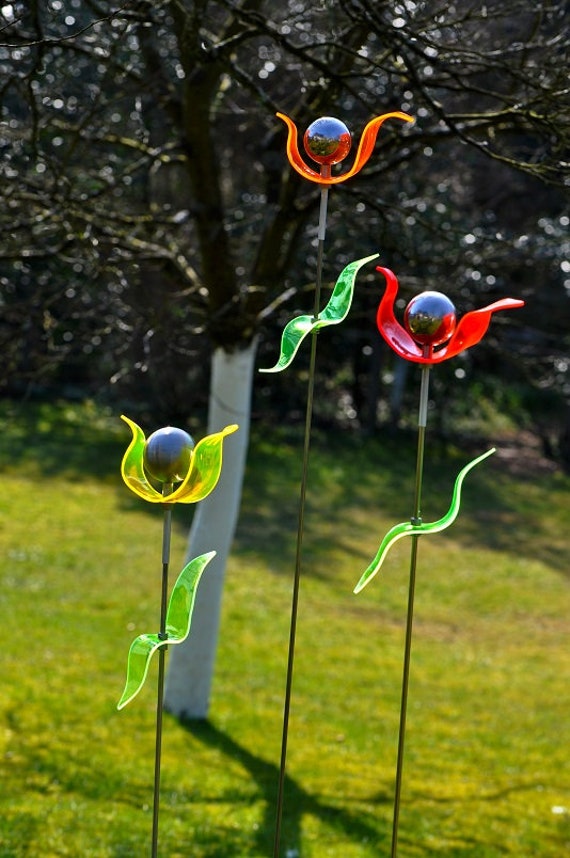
[(191, 664)]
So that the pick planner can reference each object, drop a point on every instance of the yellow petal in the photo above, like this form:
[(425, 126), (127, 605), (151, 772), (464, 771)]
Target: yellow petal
[(205, 468), (132, 470)]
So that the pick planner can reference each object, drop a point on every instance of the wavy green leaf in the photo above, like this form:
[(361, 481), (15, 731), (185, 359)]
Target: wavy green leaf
[(335, 311), (408, 529), (178, 620)]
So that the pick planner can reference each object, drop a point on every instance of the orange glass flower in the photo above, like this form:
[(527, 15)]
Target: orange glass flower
[(365, 148), (471, 328)]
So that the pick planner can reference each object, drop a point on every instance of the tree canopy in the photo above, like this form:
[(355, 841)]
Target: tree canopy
[(148, 209)]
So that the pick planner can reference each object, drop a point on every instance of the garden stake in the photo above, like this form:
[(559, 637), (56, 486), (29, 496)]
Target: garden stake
[(429, 335), (163, 636), (301, 514), (327, 141), (168, 457), (415, 520)]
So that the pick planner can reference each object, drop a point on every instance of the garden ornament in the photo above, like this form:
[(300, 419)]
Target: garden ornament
[(429, 335), (187, 473), (430, 321), (327, 142)]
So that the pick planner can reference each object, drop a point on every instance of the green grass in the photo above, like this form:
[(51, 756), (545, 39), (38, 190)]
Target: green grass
[(486, 771)]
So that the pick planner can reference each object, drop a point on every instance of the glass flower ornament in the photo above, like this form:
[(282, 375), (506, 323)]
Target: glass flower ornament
[(169, 456), (430, 334), (327, 141)]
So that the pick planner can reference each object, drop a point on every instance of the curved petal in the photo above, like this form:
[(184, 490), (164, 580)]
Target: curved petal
[(408, 529), (132, 470), (335, 312), (293, 154), (393, 332), (367, 143), (365, 149), (178, 620), (473, 326), (205, 468)]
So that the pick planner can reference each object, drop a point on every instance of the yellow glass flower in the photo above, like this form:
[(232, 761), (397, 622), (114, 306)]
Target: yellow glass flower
[(201, 477)]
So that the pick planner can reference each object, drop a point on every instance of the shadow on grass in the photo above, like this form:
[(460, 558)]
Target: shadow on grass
[(358, 487), (361, 828), (297, 802), (347, 475), (61, 439)]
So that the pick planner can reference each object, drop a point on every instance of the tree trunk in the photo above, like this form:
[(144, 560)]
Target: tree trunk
[(191, 665)]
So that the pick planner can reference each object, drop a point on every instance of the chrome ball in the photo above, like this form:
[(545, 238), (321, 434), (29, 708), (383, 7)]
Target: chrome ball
[(327, 140), (167, 454), (430, 318)]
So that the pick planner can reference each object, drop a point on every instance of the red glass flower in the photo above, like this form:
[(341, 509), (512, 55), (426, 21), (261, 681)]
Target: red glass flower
[(429, 346)]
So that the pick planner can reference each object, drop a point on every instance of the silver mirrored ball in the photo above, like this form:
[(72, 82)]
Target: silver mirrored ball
[(430, 318), (327, 140), (167, 454)]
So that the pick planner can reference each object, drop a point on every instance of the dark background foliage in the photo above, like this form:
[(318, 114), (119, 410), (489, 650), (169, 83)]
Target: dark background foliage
[(148, 211)]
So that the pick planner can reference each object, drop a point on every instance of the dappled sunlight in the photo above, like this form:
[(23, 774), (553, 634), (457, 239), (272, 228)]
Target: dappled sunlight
[(488, 679)]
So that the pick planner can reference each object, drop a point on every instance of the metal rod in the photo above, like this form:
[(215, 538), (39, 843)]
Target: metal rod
[(163, 635), (325, 170), (416, 519)]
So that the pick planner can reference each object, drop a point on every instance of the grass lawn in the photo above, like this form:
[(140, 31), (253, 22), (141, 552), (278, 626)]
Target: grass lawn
[(487, 771)]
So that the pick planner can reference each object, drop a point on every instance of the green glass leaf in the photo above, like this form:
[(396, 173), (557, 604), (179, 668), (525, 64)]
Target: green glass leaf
[(178, 620), (408, 529), (335, 312)]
